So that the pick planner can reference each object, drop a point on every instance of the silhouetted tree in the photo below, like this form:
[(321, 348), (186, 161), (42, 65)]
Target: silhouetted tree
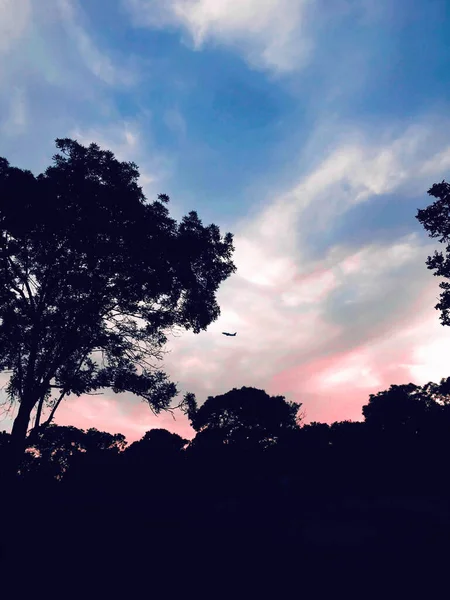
[(154, 443), (348, 438), (4, 441), (102, 441), (92, 277), (152, 467), (420, 414), (55, 449), (439, 392), (317, 433), (409, 429), (245, 415), (400, 408), (436, 221), (51, 451)]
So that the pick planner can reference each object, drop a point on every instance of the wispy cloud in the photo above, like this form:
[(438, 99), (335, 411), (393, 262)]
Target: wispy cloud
[(97, 61), (15, 119), (326, 331), (15, 18), (175, 121), (270, 33)]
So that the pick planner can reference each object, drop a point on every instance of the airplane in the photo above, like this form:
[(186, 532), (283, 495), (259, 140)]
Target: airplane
[(229, 334)]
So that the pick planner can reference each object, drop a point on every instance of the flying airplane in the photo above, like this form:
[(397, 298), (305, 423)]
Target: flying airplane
[(229, 334)]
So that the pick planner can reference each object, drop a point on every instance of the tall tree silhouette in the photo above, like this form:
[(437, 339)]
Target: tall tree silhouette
[(245, 415), (415, 411), (436, 221), (92, 278), (155, 442), (401, 407)]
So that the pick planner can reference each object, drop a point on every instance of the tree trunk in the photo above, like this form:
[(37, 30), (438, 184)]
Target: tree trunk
[(37, 422), (16, 445)]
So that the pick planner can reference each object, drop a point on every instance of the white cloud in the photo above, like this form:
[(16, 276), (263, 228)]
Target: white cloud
[(353, 370), (278, 35), (175, 121), (270, 250), (15, 120), (310, 289), (99, 63), (369, 346), (270, 33), (46, 36), (355, 170), (440, 162), (430, 360), (15, 17), (290, 310), (53, 71)]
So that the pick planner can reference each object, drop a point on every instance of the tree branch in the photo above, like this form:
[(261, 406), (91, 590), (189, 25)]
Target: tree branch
[(52, 412), (58, 402), (38, 413), (24, 280)]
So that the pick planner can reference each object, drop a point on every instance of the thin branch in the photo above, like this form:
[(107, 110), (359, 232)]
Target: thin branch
[(24, 280), (52, 412), (38, 413), (64, 391), (30, 294), (20, 370)]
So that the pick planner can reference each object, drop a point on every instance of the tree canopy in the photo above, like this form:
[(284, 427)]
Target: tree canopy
[(246, 414), (409, 409), (155, 443), (93, 277), (436, 221), (54, 449)]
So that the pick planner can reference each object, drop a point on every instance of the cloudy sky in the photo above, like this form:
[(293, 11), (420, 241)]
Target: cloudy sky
[(310, 129)]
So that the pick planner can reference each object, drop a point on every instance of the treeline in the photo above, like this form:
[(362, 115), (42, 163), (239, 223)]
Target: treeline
[(402, 444), (252, 480)]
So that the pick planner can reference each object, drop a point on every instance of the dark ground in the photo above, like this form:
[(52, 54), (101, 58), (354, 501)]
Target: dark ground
[(246, 547)]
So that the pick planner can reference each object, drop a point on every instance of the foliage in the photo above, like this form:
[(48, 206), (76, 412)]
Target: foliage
[(436, 221), (156, 443), (55, 448), (92, 279), (401, 406), (245, 415)]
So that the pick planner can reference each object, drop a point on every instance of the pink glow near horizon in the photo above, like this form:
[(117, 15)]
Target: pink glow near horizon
[(107, 413), (330, 368), (329, 375), (324, 328), (305, 356), (335, 387)]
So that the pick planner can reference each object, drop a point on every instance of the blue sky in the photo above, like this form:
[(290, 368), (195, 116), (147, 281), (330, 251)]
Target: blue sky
[(311, 131)]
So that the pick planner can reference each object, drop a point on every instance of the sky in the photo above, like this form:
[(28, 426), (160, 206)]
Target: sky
[(310, 129)]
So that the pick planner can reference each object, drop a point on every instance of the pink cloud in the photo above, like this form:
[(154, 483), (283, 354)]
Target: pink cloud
[(301, 351), (335, 387), (310, 288), (117, 415)]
